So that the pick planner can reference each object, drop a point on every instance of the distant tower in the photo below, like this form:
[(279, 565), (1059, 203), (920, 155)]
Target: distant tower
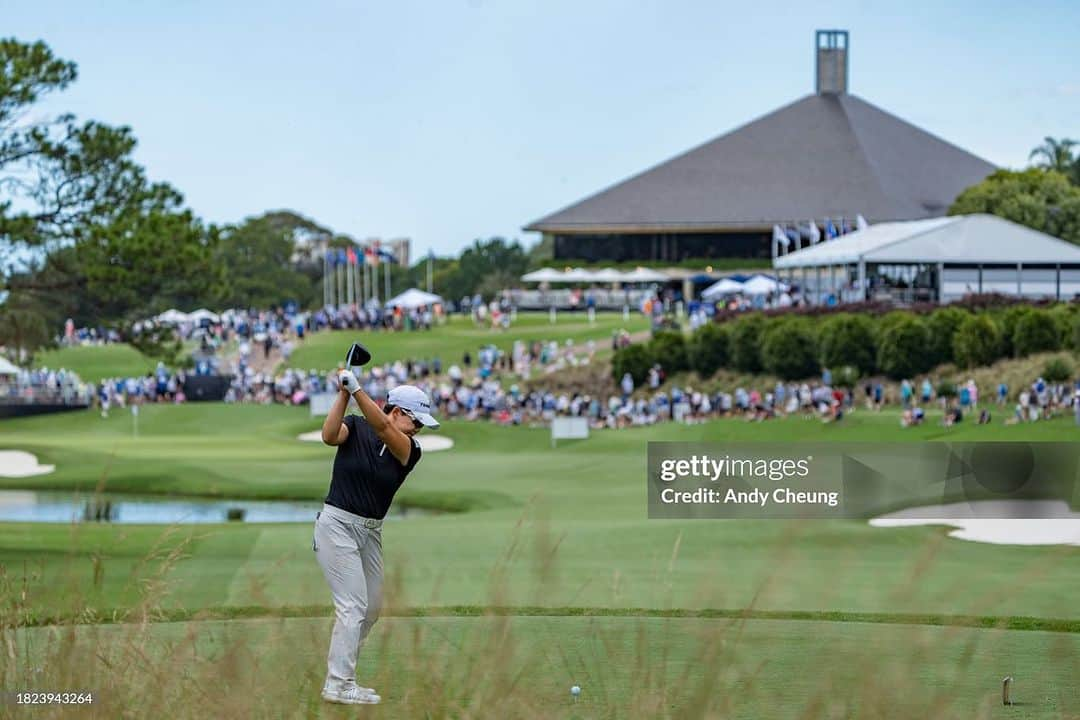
[(832, 62)]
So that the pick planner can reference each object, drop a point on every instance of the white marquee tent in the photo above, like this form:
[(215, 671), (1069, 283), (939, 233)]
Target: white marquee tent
[(939, 259), (724, 286), (413, 298), (7, 368), (607, 275), (762, 285)]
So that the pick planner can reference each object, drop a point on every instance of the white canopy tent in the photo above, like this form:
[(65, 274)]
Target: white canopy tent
[(577, 275), (762, 285), (938, 259), (644, 275), (203, 314), (413, 298), (8, 368), (172, 317), (720, 288), (542, 275), (607, 275)]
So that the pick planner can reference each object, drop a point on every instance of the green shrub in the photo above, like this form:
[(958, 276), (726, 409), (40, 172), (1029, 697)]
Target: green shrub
[(1035, 332), (634, 359), (669, 349), (1057, 370), (788, 350), (977, 342), (707, 349), (846, 377), (745, 343), (1076, 334), (945, 389), (848, 340), (886, 322), (902, 348), (1064, 318), (942, 325), (1008, 321)]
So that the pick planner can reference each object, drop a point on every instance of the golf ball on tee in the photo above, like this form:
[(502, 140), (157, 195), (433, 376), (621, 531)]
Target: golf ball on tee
[(575, 691)]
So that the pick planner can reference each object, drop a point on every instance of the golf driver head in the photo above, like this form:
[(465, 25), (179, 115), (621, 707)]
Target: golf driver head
[(358, 355)]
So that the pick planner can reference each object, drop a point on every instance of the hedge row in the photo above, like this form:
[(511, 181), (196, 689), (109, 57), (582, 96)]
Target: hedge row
[(899, 343)]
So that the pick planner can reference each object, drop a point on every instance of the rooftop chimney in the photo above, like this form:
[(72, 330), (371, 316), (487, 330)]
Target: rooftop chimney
[(832, 62)]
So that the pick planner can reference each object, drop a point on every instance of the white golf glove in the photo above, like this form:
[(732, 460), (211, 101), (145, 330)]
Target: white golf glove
[(348, 381)]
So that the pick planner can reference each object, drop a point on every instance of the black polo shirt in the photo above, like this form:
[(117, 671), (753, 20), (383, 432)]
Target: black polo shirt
[(366, 474)]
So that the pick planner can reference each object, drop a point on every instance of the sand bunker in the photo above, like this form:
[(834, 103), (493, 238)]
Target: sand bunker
[(1056, 523), (17, 464), (428, 443)]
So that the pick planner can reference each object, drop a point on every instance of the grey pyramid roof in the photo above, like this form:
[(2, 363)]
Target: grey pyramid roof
[(821, 156)]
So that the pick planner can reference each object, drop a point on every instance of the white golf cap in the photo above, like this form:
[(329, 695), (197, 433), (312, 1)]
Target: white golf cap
[(416, 401)]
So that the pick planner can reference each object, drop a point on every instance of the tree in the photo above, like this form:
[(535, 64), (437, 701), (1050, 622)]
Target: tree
[(81, 228), (264, 263), (479, 261), (848, 340), (746, 342), (148, 260), (902, 348), (788, 350), (707, 349), (977, 342), (58, 177), (1035, 332), (1043, 200), (1055, 155), (942, 325)]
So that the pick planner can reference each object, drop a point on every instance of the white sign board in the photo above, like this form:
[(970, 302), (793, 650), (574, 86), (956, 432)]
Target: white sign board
[(321, 403), (569, 428)]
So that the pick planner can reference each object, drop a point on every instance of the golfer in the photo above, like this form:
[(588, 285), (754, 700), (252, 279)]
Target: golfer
[(374, 455)]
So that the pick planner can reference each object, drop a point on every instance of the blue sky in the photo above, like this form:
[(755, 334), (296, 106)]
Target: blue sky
[(448, 121)]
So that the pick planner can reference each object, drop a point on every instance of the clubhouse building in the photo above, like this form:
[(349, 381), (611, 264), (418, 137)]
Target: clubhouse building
[(828, 155)]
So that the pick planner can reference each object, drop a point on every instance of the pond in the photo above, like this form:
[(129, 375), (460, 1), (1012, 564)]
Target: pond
[(64, 507)]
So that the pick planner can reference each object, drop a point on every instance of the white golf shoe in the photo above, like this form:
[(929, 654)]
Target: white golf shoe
[(351, 695)]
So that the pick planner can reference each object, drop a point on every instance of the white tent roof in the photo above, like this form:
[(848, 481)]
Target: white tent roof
[(724, 286), (762, 285), (607, 275), (542, 275), (7, 368), (413, 298), (203, 313), (577, 275), (644, 275), (985, 239), (172, 316)]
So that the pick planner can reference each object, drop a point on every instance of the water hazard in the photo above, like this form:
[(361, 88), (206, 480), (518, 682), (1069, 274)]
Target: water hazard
[(66, 507)]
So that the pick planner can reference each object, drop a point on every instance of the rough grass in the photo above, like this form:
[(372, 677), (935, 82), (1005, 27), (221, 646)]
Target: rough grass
[(495, 612)]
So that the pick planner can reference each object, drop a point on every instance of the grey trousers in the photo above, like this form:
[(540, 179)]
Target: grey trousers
[(349, 550)]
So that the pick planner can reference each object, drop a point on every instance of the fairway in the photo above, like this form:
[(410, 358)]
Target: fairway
[(95, 363), (448, 342), (561, 532)]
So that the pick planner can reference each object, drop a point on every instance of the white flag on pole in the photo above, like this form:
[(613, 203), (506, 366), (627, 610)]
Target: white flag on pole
[(860, 223), (815, 234), (779, 237)]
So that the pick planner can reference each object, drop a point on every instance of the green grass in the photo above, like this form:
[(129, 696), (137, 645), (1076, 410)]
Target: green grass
[(523, 667), (325, 350), (94, 363), (554, 575)]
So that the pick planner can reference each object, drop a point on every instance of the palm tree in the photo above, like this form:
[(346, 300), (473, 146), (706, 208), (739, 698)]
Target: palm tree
[(1055, 155)]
